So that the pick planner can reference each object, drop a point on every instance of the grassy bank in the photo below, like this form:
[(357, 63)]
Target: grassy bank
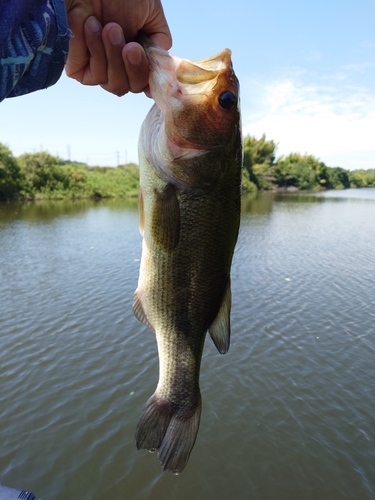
[(43, 176), (34, 176), (295, 171)]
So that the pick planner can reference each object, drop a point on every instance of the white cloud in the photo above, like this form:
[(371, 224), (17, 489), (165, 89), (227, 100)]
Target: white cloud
[(313, 55), (359, 67), (334, 122)]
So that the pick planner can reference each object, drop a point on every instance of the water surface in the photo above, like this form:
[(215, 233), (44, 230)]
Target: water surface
[(288, 413)]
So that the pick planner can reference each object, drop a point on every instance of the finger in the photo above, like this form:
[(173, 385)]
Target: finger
[(156, 27), (162, 39), (137, 66), (113, 39), (96, 70), (78, 56)]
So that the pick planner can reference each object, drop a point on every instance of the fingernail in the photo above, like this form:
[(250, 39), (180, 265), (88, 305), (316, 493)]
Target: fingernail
[(115, 36), (135, 57), (93, 24)]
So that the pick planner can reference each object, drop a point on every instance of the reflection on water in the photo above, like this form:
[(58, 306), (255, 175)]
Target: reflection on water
[(47, 210), (262, 203), (288, 413), (350, 194), (257, 203)]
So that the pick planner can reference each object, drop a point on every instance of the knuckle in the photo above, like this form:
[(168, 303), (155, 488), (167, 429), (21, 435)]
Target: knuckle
[(119, 91)]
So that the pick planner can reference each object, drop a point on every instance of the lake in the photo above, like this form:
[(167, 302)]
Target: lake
[(288, 413)]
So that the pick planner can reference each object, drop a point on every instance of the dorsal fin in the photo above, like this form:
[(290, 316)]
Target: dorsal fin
[(220, 328)]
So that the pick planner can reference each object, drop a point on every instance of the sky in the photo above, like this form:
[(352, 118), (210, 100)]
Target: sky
[(306, 70)]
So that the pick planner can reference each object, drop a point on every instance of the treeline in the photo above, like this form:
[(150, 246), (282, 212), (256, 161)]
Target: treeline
[(43, 176), (263, 171)]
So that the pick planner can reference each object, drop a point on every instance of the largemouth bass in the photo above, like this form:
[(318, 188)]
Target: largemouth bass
[(190, 156)]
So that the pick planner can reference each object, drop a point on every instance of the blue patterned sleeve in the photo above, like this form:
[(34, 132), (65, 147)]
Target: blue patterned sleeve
[(34, 44)]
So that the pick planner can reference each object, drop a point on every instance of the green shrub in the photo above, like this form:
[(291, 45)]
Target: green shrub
[(362, 178), (338, 178), (259, 156), (11, 178), (247, 185), (301, 171)]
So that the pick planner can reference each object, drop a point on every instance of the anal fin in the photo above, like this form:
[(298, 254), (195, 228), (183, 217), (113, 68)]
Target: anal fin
[(220, 328)]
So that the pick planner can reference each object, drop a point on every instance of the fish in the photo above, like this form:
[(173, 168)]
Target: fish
[(190, 160)]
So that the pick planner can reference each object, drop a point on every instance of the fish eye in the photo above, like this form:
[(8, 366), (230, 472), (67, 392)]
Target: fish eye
[(227, 100)]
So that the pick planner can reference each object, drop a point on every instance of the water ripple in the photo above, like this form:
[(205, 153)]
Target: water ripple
[(287, 414)]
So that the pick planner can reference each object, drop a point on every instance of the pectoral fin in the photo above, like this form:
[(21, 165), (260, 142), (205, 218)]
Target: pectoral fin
[(166, 218), (220, 328), (139, 312)]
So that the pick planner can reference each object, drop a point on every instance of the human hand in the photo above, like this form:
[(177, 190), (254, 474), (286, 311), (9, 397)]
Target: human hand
[(106, 55)]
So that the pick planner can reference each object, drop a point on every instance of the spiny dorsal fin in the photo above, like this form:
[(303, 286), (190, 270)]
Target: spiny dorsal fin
[(166, 218), (141, 212), (220, 328), (139, 312)]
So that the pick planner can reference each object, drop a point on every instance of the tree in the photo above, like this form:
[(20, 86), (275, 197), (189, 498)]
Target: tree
[(259, 156), (41, 170), (301, 171), (362, 178), (338, 178), (248, 186), (258, 151), (11, 179)]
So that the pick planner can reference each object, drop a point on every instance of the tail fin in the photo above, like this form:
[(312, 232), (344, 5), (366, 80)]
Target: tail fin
[(169, 428)]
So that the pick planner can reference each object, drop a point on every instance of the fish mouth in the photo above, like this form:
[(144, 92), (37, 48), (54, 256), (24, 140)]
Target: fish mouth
[(191, 93), (180, 76)]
